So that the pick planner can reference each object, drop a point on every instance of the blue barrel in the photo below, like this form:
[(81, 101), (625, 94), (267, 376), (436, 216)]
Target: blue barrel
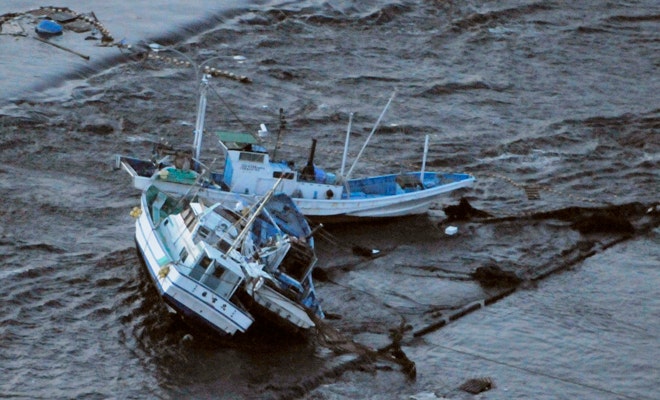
[(48, 27)]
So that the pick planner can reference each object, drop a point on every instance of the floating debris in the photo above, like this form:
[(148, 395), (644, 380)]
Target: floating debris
[(329, 337), (492, 275), (152, 54), (464, 211), (12, 28), (86, 57), (603, 222), (477, 385), (55, 19), (365, 251), (532, 192)]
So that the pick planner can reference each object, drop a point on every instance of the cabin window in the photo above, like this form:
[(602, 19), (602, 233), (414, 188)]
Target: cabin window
[(222, 282), (199, 269), (183, 255), (223, 245), (252, 157), (203, 232), (205, 262), (285, 175), (188, 218), (228, 215)]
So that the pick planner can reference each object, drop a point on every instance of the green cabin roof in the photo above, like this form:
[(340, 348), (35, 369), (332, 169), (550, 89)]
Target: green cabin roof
[(236, 139)]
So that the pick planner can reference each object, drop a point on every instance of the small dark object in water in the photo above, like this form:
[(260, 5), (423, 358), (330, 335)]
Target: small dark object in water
[(332, 316), (186, 339), (603, 222), (48, 27), (464, 211), (492, 275), (532, 192), (477, 385), (365, 251), (320, 275)]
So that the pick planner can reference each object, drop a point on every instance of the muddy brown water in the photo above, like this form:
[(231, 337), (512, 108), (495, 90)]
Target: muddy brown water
[(551, 95)]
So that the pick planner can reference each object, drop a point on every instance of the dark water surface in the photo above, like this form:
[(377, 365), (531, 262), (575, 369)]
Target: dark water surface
[(556, 95)]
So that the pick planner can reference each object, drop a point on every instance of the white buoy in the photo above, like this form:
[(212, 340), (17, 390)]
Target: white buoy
[(263, 132), (451, 230)]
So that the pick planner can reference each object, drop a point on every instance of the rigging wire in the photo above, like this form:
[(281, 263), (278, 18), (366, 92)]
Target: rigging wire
[(231, 110)]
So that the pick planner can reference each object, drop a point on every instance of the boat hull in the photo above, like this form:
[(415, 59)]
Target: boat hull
[(180, 292), (376, 207), (322, 210), (269, 304)]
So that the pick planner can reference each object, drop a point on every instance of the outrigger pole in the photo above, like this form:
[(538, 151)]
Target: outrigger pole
[(348, 135), (426, 150), (370, 135), (254, 216)]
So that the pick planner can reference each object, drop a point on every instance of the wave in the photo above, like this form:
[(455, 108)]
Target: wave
[(453, 87), (635, 18), (497, 16)]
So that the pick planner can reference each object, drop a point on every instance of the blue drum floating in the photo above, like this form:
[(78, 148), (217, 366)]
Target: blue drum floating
[(48, 27)]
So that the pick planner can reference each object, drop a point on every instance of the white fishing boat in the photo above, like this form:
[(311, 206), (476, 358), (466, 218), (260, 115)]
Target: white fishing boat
[(222, 264), (326, 197), (318, 194), (321, 196)]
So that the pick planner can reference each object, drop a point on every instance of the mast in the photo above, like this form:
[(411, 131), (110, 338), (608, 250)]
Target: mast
[(370, 135), (308, 172), (253, 217), (426, 150), (348, 135), (199, 124)]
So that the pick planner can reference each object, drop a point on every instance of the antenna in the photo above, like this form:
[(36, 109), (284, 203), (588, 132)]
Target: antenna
[(281, 128)]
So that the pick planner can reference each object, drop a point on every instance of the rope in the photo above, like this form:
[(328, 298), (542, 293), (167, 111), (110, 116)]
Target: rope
[(231, 110), (206, 70)]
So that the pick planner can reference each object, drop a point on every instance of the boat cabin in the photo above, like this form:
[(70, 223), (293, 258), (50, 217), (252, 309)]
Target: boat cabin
[(249, 170), (198, 259)]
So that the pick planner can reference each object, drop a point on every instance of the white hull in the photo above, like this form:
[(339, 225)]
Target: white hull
[(334, 210), (180, 292), (285, 309), (319, 195), (377, 207)]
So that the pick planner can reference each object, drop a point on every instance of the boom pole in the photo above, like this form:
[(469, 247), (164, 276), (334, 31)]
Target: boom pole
[(370, 135)]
